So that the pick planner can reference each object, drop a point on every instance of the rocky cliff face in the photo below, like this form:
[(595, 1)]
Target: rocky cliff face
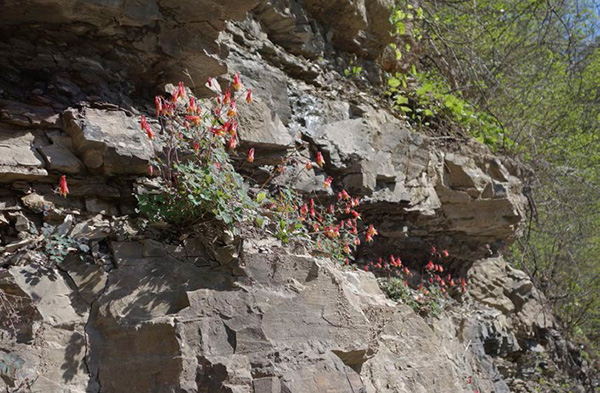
[(128, 311)]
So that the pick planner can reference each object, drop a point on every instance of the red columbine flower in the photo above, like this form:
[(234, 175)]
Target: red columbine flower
[(195, 120), (371, 231), (347, 248), (158, 105), (336, 230), (327, 182), (150, 170), (232, 143), (320, 160), (192, 108), (227, 97), (308, 165), (304, 210), (196, 146), (236, 82), (63, 189), (445, 253), (143, 122), (433, 250), (249, 96), (178, 93), (232, 111), (345, 195), (251, 155), (146, 127), (430, 266), (355, 214)]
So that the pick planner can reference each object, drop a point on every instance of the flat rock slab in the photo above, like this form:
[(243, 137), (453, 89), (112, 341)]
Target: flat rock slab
[(19, 159), (61, 159), (110, 141)]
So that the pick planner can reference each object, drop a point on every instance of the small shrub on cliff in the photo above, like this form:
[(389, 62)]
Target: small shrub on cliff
[(425, 292), (332, 229), (196, 179)]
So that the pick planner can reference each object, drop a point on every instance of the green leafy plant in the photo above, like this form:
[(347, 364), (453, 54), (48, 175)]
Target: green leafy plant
[(57, 246), (427, 100), (353, 70)]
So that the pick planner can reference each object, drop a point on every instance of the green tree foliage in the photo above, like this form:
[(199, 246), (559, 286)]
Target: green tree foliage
[(535, 67)]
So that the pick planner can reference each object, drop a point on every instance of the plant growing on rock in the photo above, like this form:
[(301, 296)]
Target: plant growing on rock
[(196, 179), (425, 291), (57, 246), (332, 229)]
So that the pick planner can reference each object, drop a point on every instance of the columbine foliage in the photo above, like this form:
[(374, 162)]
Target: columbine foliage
[(58, 246)]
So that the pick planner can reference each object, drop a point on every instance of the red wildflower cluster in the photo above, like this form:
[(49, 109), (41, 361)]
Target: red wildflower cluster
[(334, 228), (194, 127), (431, 275)]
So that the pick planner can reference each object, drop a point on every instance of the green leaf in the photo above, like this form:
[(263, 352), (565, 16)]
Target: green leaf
[(261, 196), (393, 82)]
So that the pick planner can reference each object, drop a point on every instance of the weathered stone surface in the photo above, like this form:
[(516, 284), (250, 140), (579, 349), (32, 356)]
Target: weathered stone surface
[(61, 159), (19, 158), (55, 318), (290, 323), (499, 285), (263, 128), (20, 114), (357, 26), (109, 140), (148, 44)]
